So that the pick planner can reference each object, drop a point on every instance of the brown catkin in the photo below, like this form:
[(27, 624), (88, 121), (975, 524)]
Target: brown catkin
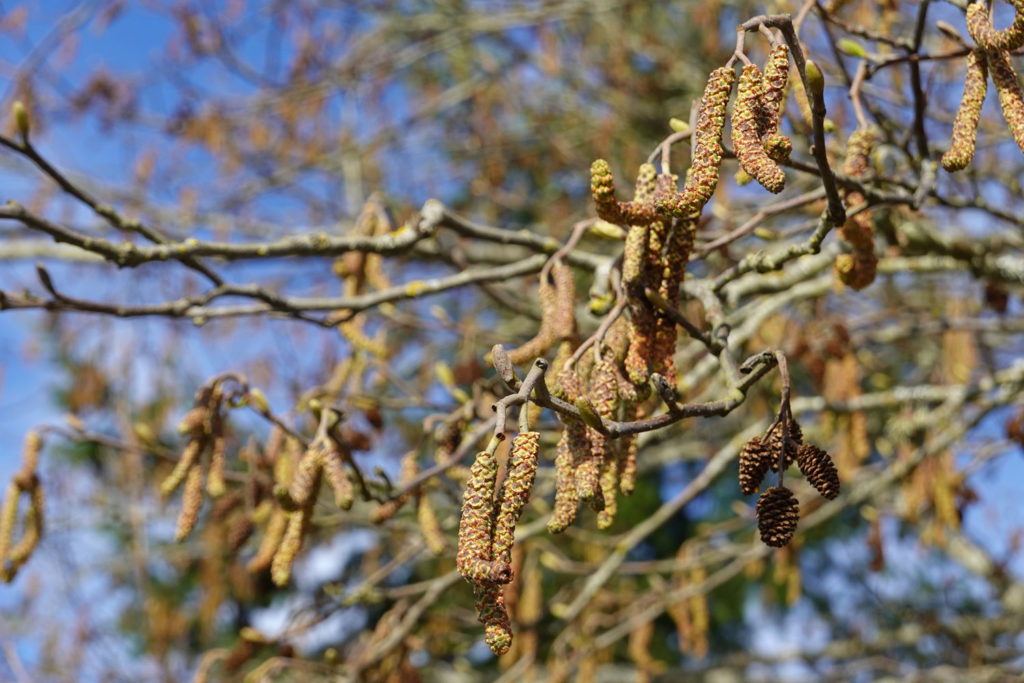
[(1010, 97), (776, 76), (191, 501), (965, 125), (746, 122), (756, 458), (566, 497), (522, 471), (334, 469), (270, 541), (215, 484), (817, 466), (554, 313), (490, 609), (777, 515), (306, 477), (857, 269), (426, 517), (473, 558), (985, 35)]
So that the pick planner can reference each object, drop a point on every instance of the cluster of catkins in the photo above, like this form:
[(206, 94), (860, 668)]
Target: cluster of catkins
[(25, 481), (857, 268), (991, 57), (204, 426), (286, 508), (777, 508), (612, 379), (487, 531)]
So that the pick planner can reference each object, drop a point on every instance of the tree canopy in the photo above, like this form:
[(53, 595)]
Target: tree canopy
[(464, 340)]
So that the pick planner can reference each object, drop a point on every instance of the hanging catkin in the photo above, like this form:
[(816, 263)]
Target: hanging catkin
[(965, 125), (985, 35), (1010, 98), (746, 139)]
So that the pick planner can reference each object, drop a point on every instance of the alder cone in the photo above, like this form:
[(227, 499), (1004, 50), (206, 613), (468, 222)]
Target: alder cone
[(817, 466), (777, 515), (755, 461), (796, 437)]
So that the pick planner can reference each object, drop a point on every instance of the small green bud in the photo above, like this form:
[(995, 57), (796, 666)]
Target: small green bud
[(815, 80), (678, 125), (852, 48), (21, 119)]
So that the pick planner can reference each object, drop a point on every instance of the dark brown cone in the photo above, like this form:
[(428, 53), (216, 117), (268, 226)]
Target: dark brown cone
[(817, 466), (796, 437), (777, 515), (755, 461)]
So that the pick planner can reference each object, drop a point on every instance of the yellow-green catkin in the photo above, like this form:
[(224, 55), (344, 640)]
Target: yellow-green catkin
[(522, 471), (1010, 98), (858, 268), (965, 125), (22, 550), (426, 517), (609, 481), (628, 449), (490, 609), (702, 178), (189, 459), (334, 470), (776, 76), (473, 558), (986, 36), (270, 541), (191, 502), (746, 138), (603, 396), (566, 496), (602, 187), (547, 334)]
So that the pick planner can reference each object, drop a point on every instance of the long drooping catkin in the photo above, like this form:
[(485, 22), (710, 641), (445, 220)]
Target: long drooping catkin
[(1010, 97), (566, 497), (965, 125), (746, 138), (522, 471), (473, 559), (702, 178), (985, 35), (776, 76), (857, 269), (490, 609)]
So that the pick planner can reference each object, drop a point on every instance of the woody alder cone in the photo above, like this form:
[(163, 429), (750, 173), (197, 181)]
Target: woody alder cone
[(755, 461), (817, 466), (777, 515)]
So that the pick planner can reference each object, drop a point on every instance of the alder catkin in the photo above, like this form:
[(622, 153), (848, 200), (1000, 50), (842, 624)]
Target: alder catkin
[(426, 517), (473, 558), (189, 457), (609, 480), (1010, 98), (490, 609), (270, 541), (602, 187), (702, 178), (191, 501), (985, 35), (857, 269), (566, 496), (291, 543), (334, 470), (965, 125), (776, 76), (522, 471), (746, 122)]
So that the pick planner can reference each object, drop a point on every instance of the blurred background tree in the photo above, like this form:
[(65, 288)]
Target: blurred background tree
[(347, 204)]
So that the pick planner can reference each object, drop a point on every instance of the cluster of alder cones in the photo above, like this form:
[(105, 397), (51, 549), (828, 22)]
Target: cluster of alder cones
[(777, 509), (990, 58)]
